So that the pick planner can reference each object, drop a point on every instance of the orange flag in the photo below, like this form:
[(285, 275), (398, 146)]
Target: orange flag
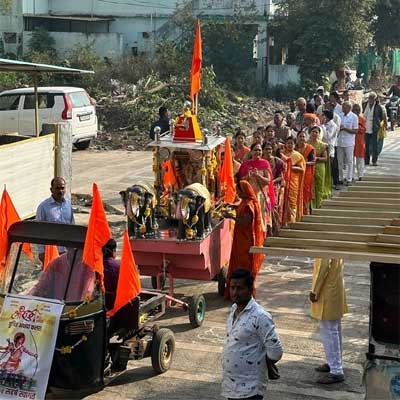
[(226, 177), (50, 253), (9, 215), (197, 58), (129, 285), (169, 178), (97, 235)]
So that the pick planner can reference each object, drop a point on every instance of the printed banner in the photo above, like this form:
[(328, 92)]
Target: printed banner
[(28, 333)]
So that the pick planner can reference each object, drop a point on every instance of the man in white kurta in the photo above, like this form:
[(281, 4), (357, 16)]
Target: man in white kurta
[(250, 343), (346, 141)]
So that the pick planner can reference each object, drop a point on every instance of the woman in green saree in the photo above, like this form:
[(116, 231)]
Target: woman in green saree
[(322, 172)]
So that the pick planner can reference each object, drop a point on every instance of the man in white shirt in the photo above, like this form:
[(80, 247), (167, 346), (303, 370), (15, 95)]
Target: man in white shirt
[(345, 142), (251, 344)]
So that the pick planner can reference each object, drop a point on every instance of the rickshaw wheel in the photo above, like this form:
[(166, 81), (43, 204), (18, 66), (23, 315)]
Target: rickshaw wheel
[(162, 350), (197, 310), (154, 282), (222, 281)]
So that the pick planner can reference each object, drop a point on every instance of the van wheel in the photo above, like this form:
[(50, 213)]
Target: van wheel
[(82, 145)]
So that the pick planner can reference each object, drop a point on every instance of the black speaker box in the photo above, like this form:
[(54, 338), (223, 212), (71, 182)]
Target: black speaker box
[(385, 303)]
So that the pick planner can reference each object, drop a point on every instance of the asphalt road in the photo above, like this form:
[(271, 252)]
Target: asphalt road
[(283, 287)]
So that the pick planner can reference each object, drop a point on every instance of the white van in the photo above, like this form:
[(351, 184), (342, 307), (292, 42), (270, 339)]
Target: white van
[(56, 104)]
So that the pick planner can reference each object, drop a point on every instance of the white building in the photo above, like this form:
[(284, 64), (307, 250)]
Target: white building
[(115, 27)]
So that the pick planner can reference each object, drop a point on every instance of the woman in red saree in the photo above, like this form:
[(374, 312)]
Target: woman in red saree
[(308, 152), (247, 233), (258, 173)]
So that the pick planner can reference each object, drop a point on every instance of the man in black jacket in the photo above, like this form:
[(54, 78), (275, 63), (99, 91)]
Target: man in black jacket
[(162, 122)]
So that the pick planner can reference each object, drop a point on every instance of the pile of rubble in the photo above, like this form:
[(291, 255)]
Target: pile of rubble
[(248, 113)]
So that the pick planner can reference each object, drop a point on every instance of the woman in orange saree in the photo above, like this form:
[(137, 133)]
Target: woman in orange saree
[(308, 152), (294, 182), (247, 233)]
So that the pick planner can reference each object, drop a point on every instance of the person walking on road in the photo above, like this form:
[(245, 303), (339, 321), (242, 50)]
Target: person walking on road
[(252, 346), (345, 143), (56, 208), (328, 305), (375, 116)]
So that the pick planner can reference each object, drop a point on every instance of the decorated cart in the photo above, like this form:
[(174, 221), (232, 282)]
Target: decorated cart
[(175, 224)]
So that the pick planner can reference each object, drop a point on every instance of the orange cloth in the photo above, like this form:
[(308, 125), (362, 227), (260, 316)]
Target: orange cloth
[(169, 178), (129, 285), (50, 253), (97, 235), (197, 58), (58, 276), (8, 216), (294, 186), (245, 236), (359, 147), (226, 176), (308, 184)]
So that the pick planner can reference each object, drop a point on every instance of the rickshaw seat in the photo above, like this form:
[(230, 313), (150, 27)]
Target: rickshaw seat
[(127, 318)]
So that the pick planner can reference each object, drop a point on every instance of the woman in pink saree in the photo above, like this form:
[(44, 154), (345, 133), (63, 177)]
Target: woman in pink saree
[(258, 173)]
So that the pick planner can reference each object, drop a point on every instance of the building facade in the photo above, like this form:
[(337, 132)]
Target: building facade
[(113, 28)]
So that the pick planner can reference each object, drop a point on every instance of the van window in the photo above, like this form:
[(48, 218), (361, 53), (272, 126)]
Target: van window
[(9, 102), (44, 101), (79, 99)]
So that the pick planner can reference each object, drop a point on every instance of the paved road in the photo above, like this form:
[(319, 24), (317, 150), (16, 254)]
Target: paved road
[(283, 287)]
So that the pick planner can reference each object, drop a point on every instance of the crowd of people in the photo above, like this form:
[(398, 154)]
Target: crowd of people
[(294, 163)]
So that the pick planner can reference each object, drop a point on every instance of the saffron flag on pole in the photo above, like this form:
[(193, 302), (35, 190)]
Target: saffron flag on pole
[(50, 253), (197, 58), (9, 215), (129, 285), (97, 235), (226, 177)]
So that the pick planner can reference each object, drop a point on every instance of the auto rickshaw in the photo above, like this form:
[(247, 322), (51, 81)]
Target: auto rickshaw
[(91, 349)]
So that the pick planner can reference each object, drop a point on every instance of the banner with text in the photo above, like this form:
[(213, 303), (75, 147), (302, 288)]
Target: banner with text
[(28, 333)]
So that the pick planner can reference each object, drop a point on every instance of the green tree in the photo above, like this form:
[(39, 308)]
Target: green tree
[(228, 47), (42, 42), (385, 26), (322, 36)]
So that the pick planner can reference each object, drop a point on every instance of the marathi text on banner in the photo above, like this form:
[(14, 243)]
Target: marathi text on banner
[(28, 333)]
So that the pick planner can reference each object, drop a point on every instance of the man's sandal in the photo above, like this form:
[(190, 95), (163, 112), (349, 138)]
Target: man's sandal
[(323, 368), (331, 378)]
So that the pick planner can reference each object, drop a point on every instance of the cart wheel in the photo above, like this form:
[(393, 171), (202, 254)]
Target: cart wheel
[(154, 282), (197, 310), (222, 281), (162, 350)]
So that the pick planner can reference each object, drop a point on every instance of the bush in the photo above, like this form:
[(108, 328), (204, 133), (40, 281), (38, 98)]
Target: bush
[(283, 93), (42, 42)]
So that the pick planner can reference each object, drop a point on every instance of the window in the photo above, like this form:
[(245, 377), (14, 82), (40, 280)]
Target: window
[(10, 37), (134, 51), (9, 102), (44, 101), (145, 35), (79, 99)]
